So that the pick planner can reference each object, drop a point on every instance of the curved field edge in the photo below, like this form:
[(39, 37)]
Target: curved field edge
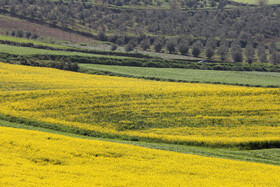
[(222, 143), (30, 157), (266, 156), (243, 78)]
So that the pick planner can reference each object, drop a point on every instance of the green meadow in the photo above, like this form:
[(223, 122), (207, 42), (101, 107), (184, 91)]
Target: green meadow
[(251, 78), (34, 42), (256, 1)]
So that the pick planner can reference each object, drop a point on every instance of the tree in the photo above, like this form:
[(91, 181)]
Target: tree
[(102, 36), (19, 33), (249, 53), (274, 58), (213, 4), (211, 43), (259, 37), (222, 4), (184, 48), (261, 53), (34, 36), (114, 47), (223, 52), (209, 52), (129, 47), (113, 38), (262, 2), (198, 44), (210, 47), (223, 49), (196, 51), (272, 47), (133, 42), (120, 40), (236, 52), (244, 36), (119, 2), (262, 57), (157, 46), (145, 44), (170, 46), (28, 34)]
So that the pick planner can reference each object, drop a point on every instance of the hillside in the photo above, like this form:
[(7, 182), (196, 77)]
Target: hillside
[(47, 159), (213, 30), (139, 92)]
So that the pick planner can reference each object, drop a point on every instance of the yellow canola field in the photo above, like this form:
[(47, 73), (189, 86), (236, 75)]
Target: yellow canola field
[(30, 158), (217, 115)]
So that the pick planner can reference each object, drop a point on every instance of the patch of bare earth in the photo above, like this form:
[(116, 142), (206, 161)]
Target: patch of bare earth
[(42, 30)]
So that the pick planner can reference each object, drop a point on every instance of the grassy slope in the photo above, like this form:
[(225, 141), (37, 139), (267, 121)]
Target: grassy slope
[(267, 156), (31, 51), (190, 75), (35, 42), (56, 34), (30, 157), (271, 2)]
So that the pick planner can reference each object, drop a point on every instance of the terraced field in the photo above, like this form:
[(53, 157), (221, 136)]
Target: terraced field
[(34, 158), (180, 113)]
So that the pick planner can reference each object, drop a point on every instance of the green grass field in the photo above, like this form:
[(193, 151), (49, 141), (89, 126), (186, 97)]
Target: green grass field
[(267, 156), (190, 75), (35, 42), (256, 1), (32, 51)]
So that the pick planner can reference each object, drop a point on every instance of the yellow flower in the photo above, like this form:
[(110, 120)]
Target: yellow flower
[(216, 115), (30, 158)]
